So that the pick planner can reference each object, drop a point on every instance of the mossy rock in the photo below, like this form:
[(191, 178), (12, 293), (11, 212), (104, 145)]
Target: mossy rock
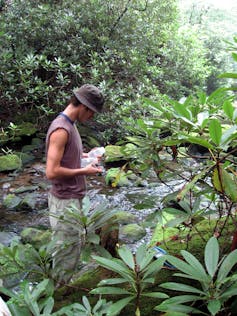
[(25, 157), (35, 237), (132, 232), (124, 217), (10, 162), (12, 202)]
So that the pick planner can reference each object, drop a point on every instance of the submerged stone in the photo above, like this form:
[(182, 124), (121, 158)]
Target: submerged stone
[(30, 201), (12, 201), (125, 217), (132, 232), (7, 237), (10, 162)]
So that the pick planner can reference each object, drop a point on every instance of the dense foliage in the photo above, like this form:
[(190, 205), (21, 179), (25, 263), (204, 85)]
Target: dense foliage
[(160, 78), (128, 48)]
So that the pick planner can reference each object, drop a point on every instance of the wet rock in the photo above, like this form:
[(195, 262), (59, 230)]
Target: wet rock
[(125, 217), (27, 188), (132, 232), (12, 201), (29, 201), (10, 162), (35, 237), (25, 157), (29, 148), (7, 237)]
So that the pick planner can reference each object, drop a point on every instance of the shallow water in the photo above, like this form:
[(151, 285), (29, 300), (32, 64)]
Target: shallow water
[(139, 201)]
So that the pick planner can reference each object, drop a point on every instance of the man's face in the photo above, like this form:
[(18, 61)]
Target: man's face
[(85, 114)]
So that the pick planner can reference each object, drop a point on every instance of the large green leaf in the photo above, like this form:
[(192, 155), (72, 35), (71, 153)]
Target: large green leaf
[(214, 306), (195, 264), (146, 260), (217, 179), (202, 118), (112, 281), (182, 111), (186, 268), (115, 265), (215, 131), (180, 299), (115, 308), (127, 256), (231, 291), (155, 294), (18, 310), (228, 135), (140, 254), (181, 287), (154, 267), (230, 185), (211, 256), (86, 303), (163, 307), (228, 109), (48, 305), (228, 75), (109, 290), (197, 140), (226, 266)]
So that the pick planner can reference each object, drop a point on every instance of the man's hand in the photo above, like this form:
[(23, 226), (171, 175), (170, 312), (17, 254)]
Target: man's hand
[(92, 168)]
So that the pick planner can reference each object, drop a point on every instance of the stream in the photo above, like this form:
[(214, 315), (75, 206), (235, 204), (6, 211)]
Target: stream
[(139, 201)]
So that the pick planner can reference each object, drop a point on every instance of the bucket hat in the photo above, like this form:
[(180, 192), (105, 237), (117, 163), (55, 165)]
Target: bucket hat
[(90, 96)]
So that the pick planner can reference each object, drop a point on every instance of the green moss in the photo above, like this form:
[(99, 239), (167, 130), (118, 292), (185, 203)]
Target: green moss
[(193, 238), (10, 162)]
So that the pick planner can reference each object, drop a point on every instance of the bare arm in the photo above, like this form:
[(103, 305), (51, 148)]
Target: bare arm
[(54, 170)]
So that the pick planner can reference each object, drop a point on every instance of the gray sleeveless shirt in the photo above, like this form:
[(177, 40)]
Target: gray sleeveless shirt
[(68, 187)]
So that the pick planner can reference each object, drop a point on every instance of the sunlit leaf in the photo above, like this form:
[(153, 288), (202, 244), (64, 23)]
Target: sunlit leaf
[(126, 256), (202, 118), (228, 109), (215, 131), (211, 256)]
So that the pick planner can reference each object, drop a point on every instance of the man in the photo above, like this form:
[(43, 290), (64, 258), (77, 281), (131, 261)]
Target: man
[(63, 168)]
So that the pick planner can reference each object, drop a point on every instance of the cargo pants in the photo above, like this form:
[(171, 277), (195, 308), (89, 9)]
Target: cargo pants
[(66, 238)]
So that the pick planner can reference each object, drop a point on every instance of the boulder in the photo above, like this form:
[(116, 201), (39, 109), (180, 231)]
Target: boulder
[(35, 237), (132, 232), (10, 162)]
